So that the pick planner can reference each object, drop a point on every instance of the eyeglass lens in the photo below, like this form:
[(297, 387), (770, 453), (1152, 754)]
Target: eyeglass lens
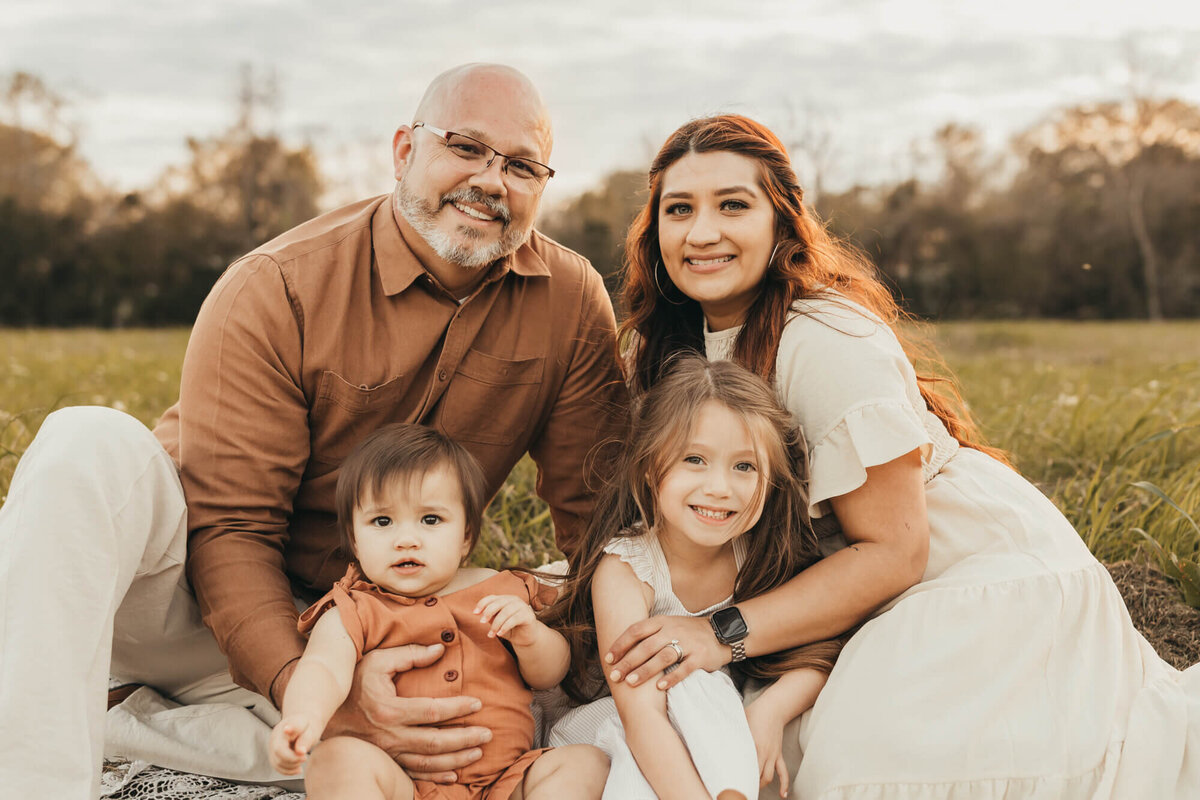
[(480, 154)]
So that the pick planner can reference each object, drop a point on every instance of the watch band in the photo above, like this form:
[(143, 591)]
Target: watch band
[(739, 650)]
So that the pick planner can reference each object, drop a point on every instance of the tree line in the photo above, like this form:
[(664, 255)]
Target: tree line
[(1090, 213), (74, 253)]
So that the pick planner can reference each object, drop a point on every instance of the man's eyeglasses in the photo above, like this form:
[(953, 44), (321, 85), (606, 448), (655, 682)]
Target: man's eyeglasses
[(526, 172)]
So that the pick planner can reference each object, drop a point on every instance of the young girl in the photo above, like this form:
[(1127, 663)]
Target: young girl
[(409, 504), (707, 508)]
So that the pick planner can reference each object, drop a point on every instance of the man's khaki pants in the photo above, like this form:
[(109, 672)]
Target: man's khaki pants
[(93, 537)]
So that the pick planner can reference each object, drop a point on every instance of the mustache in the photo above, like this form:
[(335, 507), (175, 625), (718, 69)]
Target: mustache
[(476, 196)]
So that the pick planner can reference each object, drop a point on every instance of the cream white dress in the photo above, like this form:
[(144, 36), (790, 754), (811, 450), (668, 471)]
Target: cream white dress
[(1012, 670)]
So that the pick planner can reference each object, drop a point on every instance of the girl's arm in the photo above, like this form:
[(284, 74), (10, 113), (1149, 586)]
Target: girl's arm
[(317, 688), (792, 694), (543, 654), (619, 599), (781, 702), (885, 522)]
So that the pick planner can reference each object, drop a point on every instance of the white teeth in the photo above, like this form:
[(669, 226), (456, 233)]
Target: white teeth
[(704, 262), (705, 512), (470, 212)]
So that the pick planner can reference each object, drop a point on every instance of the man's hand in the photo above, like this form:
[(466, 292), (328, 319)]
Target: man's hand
[(401, 726)]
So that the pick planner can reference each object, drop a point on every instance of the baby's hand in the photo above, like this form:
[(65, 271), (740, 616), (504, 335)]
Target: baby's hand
[(511, 617), (767, 730), (290, 742)]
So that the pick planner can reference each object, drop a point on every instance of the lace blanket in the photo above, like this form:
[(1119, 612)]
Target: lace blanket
[(127, 780)]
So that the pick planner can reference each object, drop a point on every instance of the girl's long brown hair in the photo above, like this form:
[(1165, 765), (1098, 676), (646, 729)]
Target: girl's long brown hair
[(778, 546), (807, 263)]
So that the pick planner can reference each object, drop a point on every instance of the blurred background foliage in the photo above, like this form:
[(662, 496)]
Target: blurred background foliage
[(1089, 214), (73, 253)]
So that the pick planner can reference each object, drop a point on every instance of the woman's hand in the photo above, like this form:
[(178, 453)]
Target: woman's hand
[(643, 652)]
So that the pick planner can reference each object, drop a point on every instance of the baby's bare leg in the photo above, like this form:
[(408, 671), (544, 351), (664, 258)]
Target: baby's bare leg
[(573, 772), (349, 768)]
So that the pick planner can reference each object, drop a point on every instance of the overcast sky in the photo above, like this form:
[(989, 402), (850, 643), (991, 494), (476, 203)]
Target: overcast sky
[(618, 76)]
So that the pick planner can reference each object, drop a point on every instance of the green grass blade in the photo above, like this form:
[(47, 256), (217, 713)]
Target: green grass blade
[(1150, 487)]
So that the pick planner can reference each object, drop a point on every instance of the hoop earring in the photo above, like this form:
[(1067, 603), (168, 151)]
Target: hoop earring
[(771, 260), (658, 263)]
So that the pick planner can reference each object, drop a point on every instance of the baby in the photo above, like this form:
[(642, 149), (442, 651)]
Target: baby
[(410, 505)]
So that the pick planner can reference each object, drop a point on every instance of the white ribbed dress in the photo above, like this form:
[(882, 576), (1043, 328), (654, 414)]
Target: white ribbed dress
[(704, 707), (1012, 670)]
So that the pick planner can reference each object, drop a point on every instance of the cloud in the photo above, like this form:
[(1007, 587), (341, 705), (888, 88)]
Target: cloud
[(618, 75)]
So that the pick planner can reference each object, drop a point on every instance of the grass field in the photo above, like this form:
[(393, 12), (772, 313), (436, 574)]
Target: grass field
[(1085, 409)]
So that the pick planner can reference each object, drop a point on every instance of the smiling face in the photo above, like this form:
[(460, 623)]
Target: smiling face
[(716, 231), (464, 218), (711, 492), (411, 537)]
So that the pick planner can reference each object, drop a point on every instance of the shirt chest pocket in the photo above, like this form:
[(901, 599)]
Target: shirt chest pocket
[(344, 413), (491, 400)]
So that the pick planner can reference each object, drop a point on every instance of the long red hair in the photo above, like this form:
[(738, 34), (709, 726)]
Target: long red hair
[(807, 262)]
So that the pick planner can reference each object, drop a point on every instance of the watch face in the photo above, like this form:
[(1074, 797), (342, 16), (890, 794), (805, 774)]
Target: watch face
[(729, 625)]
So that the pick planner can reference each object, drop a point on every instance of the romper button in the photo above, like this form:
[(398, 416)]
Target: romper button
[(431, 601), (451, 675), (442, 375), (447, 636)]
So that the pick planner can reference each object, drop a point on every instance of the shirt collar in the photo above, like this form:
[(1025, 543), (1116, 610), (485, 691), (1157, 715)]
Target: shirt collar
[(398, 266)]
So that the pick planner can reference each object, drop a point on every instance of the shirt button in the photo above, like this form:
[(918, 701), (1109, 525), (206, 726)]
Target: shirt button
[(451, 675), (431, 601), (442, 375), (447, 636)]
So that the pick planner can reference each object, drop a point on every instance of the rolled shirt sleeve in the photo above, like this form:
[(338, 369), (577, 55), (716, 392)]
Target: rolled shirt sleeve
[(572, 448), (243, 447)]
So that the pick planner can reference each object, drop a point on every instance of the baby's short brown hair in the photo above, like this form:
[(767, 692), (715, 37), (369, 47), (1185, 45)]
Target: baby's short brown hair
[(403, 450)]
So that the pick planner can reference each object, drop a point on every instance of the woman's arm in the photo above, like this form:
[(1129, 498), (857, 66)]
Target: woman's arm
[(886, 525), (619, 599), (885, 522)]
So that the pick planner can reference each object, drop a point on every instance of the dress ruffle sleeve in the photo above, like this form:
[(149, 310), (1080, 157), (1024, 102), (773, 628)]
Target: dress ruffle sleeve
[(845, 378), (338, 596), (866, 437), (633, 551)]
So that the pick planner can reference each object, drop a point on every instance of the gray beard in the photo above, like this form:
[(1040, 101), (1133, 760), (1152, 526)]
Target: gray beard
[(422, 216)]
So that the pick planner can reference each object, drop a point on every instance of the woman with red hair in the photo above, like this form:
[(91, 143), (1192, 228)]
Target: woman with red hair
[(995, 657)]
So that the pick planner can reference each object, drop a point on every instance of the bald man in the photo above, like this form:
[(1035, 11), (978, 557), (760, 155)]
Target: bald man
[(177, 559)]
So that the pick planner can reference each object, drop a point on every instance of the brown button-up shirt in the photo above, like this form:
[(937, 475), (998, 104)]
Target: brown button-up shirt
[(322, 335)]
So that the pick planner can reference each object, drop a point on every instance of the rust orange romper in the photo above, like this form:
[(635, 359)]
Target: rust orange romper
[(472, 664)]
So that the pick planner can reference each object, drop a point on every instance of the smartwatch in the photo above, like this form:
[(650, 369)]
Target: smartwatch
[(730, 628)]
